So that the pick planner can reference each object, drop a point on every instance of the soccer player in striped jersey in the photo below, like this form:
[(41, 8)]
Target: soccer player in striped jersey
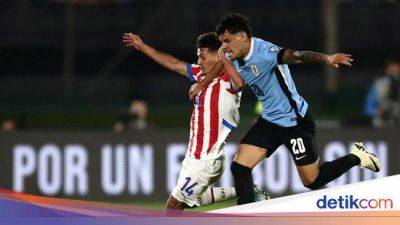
[(285, 117), (215, 115)]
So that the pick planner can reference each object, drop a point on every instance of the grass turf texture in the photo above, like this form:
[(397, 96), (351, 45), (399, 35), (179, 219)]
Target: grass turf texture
[(161, 205)]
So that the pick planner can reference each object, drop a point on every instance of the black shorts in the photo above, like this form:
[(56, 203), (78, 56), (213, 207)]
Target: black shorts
[(299, 140)]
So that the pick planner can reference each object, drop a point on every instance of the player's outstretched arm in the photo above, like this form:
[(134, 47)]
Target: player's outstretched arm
[(168, 61), (308, 57), (237, 80)]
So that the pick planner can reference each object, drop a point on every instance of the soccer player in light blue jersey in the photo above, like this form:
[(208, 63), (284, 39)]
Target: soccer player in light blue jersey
[(285, 117)]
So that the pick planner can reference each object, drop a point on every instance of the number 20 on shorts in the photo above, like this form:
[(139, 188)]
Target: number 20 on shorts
[(297, 146)]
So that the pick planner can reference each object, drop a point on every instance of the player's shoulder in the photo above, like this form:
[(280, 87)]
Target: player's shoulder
[(195, 67), (262, 46), (194, 71)]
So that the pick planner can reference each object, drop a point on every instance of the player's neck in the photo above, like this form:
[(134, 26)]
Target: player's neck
[(247, 47)]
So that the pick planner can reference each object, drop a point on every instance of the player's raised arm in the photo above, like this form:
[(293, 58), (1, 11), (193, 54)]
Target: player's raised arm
[(168, 61), (290, 56), (237, 80)]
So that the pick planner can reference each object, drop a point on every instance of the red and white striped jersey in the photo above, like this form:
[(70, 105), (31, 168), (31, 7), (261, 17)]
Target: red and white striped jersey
[(215, 115)]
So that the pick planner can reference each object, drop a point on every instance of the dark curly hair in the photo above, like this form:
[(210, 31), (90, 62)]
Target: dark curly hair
[(234, 23)]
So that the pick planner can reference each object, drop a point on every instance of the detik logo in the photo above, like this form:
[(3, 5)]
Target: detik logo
[(351, 202)]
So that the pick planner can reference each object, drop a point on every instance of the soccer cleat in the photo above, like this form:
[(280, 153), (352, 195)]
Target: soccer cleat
[(260, 195), (368, 160)]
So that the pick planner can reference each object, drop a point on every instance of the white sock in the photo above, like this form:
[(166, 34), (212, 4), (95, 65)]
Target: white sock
[(217, 194)]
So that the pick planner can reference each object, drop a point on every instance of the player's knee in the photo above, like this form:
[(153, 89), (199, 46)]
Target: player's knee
[(310, 175), (312, 186), (239, 170), (315, 184), (307, 181)]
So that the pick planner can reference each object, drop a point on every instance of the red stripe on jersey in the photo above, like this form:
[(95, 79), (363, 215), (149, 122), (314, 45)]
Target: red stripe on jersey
[(200, 124), (225, 77), (196, 71), (192, 131), (214, 116)]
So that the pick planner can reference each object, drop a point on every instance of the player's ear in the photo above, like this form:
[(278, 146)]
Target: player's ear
[(216, 55), (243, 36)]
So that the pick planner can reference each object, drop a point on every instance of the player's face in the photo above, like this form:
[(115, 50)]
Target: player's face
[(393, 69), (206, 58), (234, 44)]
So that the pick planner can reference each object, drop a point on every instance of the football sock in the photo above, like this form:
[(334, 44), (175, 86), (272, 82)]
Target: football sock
[(217, 194), (329, 171), (243, 183)]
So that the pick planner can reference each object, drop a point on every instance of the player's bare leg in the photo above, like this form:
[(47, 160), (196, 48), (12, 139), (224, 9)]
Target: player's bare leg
[(315, 176), (308, 173), (246, 158), (249, 155), (174, 207)]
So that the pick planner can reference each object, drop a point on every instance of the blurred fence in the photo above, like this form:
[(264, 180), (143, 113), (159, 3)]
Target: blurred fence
[(136, 166)]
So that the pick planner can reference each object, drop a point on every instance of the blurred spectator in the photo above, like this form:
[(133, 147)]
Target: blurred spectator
[(15, 123), (383, 100), (8, 125), (135, 119)]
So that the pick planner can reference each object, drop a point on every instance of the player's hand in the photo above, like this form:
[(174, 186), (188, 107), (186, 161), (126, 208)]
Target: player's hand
[(222, 55), (132, 40), (194, 91), (339, 58)]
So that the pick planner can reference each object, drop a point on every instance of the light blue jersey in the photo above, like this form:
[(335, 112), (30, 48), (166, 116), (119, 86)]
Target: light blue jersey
[(272, 83)]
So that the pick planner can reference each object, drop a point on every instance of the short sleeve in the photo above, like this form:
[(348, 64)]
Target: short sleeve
[(272, 53), (193, 71)]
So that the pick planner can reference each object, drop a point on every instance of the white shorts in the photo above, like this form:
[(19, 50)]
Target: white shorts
[(195, 177)]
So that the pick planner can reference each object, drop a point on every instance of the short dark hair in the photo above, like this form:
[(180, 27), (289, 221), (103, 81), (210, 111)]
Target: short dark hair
[(209, 40), (234, 23), (392, 60)]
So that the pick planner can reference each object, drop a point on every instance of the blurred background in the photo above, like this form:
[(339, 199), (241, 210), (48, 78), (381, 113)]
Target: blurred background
[(67, 80)]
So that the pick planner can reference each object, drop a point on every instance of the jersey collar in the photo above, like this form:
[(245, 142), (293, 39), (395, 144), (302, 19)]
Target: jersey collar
[(250, 53)]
